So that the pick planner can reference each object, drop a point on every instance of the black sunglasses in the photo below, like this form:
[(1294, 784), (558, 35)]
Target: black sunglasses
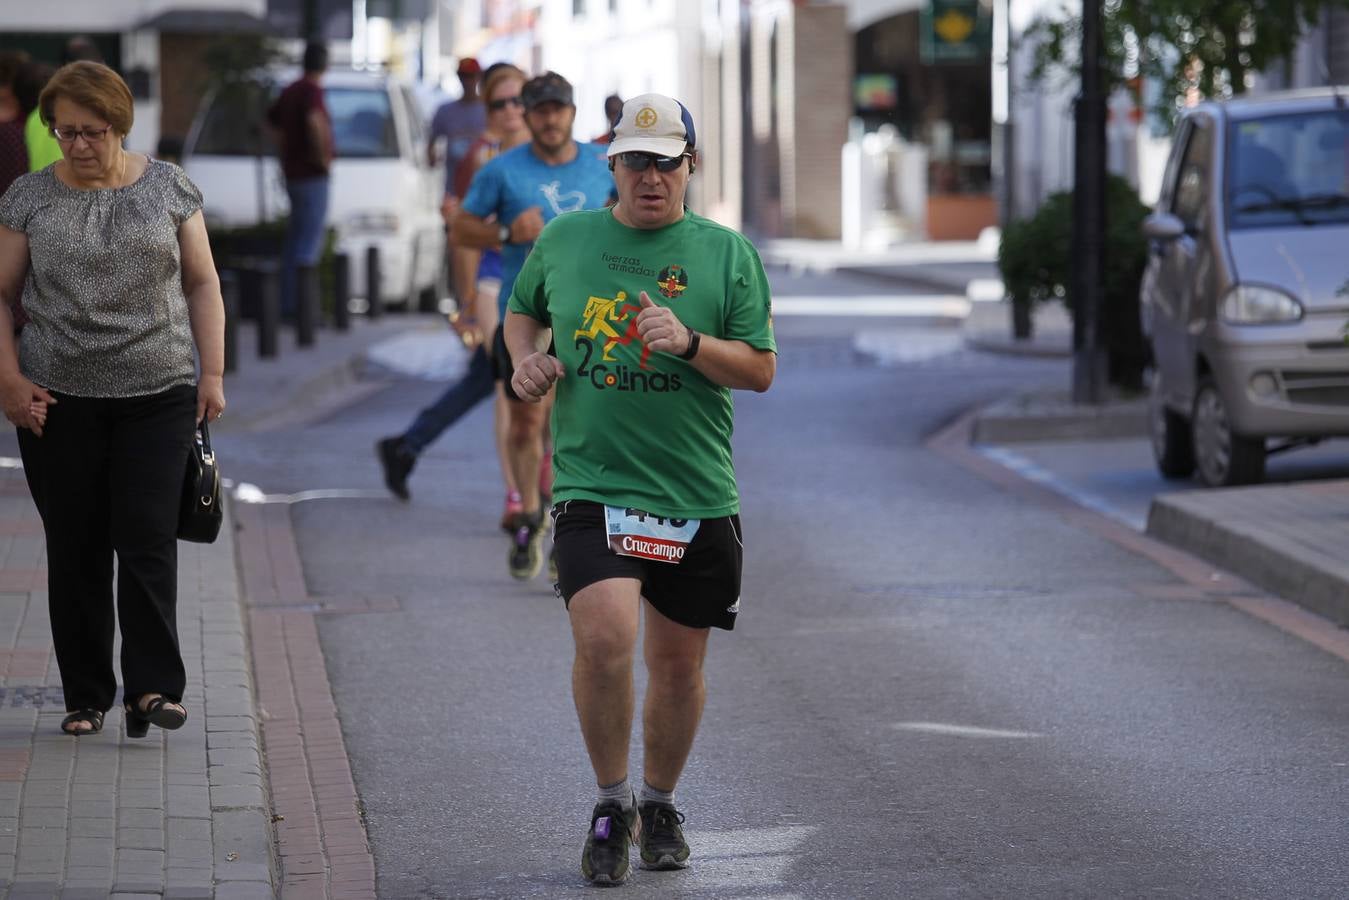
[(640, 162), (498, 105)]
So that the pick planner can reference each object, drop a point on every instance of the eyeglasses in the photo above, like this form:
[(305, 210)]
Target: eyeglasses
[(501, 103), (640, 162), (90, 135)]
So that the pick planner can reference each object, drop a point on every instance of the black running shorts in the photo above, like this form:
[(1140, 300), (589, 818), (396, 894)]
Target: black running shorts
[(701, 591)]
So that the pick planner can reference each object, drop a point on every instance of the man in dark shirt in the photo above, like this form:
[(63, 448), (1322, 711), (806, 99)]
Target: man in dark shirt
[(304, 132)]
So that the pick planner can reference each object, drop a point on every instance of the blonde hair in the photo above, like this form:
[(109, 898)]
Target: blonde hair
[(503, 72), (93, 86)]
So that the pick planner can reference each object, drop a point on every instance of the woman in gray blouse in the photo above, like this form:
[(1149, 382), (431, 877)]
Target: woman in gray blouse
[(108, 250)]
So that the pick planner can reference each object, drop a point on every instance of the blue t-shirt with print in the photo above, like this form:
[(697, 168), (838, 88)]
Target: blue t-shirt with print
[(517, 179)]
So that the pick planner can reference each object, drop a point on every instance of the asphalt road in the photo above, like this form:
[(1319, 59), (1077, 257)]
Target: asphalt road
[(935, 688)]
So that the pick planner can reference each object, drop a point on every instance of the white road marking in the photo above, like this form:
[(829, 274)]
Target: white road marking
[(245, 492), (963, 730), (986, 290), (900, 346), (951, 306), (1034, 472), (434, 354), (741, 858), (10, 462)]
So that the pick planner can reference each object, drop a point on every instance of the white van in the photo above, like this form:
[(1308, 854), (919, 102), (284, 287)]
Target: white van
[(384, 194)]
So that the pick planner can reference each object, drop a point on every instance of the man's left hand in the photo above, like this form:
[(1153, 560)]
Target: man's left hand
[(660, 329)]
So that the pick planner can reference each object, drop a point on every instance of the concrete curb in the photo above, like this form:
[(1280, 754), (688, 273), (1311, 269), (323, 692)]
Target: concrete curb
[(1056, 418), (1255, 552), (1009, 347), (241, 830)]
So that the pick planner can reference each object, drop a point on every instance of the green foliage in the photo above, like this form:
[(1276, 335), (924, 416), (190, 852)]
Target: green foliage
[(246, 245), (1035, 259), (1208, 46), (240, 58)]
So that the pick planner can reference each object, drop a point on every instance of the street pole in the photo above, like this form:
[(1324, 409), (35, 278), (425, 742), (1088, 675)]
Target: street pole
[(1089, 360), (311, 27)]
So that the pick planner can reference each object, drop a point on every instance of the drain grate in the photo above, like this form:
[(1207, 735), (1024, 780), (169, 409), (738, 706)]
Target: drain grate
[(31, 697)]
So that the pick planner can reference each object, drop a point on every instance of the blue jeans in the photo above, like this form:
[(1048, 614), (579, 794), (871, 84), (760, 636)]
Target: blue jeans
[(304, 233), (466, 393)]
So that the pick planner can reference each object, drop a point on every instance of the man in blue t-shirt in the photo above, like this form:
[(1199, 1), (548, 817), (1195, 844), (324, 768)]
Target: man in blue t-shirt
[(510, 200)]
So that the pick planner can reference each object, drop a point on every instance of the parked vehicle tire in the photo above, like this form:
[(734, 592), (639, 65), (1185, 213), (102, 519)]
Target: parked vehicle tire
[(1172, 438), (1222, 457)]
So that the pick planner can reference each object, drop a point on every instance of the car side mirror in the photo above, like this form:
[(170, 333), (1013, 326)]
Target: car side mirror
[(1162, 226)]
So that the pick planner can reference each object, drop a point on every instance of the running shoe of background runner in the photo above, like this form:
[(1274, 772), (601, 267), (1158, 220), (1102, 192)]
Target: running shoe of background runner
[(397, 461), (605, 857), (526, 555), (662, 842), (510, 515)]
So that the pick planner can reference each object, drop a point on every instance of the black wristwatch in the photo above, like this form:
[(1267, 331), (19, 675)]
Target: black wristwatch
[(694, 339), (504, 234)]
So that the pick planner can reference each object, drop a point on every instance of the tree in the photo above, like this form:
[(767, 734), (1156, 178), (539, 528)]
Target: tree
[(1209, 47)]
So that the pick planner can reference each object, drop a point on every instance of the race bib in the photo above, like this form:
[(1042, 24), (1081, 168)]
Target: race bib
[(633, 532)]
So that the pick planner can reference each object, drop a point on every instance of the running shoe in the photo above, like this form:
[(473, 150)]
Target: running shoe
[(511, 515), (397, 461), (526, 555), (605, 857), (662, 842)]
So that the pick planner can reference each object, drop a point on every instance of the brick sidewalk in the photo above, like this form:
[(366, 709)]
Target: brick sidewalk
[(177, 814)]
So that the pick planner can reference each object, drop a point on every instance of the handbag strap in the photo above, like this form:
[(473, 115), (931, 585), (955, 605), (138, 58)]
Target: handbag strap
[(204, 431)]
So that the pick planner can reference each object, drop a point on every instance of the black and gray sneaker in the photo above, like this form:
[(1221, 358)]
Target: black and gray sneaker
[(526, 554), (662, 843), (397, 461), (612, 828)]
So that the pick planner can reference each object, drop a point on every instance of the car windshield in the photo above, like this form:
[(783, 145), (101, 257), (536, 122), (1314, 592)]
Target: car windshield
[(233, 123), (1289, 170), (362, 122)]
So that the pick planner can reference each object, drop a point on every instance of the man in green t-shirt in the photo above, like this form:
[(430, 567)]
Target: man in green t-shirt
[(657, 313)]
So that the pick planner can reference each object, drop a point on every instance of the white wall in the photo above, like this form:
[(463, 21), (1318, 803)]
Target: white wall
[(643, 46)]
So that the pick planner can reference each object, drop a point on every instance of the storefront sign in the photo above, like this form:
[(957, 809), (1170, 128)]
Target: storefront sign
[(955, 31)]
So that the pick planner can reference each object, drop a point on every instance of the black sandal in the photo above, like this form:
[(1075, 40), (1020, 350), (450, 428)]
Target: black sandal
[(160, 711), (93, 717)]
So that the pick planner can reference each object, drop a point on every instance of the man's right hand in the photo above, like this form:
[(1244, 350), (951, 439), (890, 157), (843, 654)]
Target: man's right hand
[(526, 226), (535, 376)]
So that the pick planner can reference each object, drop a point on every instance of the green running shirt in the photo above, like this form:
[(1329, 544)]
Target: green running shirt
[(632, 427)]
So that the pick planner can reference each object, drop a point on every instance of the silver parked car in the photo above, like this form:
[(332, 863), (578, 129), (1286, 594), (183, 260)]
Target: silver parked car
[(1246, 293)]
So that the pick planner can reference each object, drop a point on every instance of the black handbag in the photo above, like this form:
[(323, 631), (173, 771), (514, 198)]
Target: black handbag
[(199, 513)]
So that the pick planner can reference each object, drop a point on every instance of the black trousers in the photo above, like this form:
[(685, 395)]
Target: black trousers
[(106, 477)]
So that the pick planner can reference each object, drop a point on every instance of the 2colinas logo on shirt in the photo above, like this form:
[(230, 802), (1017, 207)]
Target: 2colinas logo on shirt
[(600, 334)]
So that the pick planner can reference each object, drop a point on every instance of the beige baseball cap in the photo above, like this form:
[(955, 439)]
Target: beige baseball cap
[(653, 123)]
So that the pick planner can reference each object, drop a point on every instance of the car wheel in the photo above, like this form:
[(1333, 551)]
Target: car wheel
[(1172, 439), (1222, 457)]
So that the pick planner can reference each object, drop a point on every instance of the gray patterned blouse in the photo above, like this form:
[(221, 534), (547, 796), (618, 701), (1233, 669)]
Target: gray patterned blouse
[(104, 291)]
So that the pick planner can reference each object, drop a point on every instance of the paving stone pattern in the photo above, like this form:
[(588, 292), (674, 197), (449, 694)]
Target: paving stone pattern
[(180, 814)]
